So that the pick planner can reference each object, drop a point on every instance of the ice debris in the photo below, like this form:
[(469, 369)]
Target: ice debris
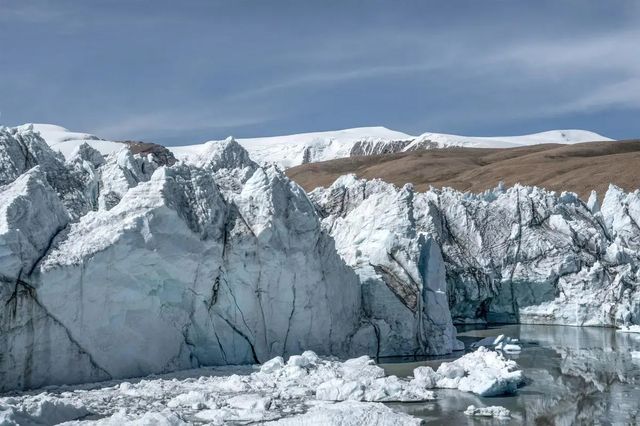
[(304, 388), (483, 372), (493, 411), (500, 343)]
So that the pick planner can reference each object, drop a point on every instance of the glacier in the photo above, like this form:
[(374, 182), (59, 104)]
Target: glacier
[(522, 254), (119, 267), (123, 265)]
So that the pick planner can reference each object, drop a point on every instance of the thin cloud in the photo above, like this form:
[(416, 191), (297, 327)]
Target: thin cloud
[(320, 78), (173, 122)]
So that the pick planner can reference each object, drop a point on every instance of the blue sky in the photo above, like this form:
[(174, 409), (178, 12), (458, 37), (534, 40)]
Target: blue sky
[(182, 72)]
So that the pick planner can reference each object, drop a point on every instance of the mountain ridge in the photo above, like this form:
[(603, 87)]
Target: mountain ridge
[(295, 149), (579, 168)]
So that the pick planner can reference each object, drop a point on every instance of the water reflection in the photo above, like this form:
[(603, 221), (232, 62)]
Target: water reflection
[(577, 376)]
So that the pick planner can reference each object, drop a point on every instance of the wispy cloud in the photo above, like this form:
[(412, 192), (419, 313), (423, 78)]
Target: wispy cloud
[(315, 79), (176, 121)]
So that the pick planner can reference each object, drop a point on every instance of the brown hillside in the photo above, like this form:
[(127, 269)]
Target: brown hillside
[(578, 168)]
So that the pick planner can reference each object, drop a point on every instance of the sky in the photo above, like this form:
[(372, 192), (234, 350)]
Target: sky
[(181, 72)]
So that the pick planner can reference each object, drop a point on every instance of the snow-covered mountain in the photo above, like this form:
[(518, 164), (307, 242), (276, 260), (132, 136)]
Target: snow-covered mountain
[(122, 266), (293, 150), (440, 140), (66, 141)]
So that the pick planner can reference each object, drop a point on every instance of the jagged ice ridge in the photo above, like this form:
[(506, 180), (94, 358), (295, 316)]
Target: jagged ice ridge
[(123, 266)]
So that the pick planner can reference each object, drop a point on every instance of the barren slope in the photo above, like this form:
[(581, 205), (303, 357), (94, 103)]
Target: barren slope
[(578, 168)]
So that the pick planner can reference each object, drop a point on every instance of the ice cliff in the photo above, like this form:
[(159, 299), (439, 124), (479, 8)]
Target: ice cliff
[(118, 267), (521, 254), (122, 265)]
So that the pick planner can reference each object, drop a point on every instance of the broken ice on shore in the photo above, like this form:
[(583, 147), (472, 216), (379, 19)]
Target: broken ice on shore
[(306, 389)]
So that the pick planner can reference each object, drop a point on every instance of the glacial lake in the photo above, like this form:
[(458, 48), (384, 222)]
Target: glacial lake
[(575, 376)]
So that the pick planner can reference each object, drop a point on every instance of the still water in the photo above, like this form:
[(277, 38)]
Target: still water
[(575, 376)]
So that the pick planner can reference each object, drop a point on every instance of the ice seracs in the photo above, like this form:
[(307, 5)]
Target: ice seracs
[(123, 267), (521, 254), (374, 226)]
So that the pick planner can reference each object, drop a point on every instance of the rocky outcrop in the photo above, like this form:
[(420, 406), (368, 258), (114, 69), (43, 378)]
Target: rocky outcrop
[(160, 154), (376, 147)]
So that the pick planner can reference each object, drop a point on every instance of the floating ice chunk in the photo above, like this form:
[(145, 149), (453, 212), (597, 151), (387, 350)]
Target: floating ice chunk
[(487, 341), (425, 377), (511, 348), (483, 372), (388, 389), (382, 389), (629, 329), (493, 411), (499, 343)]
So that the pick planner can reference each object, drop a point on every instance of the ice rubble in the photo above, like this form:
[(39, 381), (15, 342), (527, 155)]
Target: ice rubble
[(483, 372), (500, 343), (519, 254), (305, 389)]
